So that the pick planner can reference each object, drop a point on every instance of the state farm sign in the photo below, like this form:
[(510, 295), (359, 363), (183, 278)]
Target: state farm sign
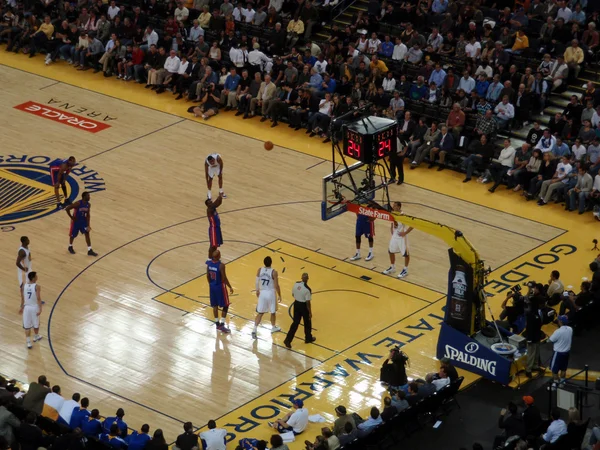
[(73, 120), (369, 212)]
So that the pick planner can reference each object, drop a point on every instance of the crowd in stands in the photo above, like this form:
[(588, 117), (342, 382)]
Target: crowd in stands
[(41, 418), (465, 71)]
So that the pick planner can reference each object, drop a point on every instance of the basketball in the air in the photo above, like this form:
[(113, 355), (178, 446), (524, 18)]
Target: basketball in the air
[(268, 145)]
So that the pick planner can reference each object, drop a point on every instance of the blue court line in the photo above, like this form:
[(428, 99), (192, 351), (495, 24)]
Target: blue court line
[(60, 295)]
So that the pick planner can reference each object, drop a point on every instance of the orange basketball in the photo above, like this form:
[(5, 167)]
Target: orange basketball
[(268, 145)]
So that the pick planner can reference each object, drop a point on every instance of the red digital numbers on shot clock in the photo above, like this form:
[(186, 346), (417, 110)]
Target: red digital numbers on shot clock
[(353, 149), (385, 146)]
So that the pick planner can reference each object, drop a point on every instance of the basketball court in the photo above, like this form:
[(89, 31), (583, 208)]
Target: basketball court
[(133, 327)]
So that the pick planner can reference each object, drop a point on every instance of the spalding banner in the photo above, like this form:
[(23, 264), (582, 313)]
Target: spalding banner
[(470, 355)]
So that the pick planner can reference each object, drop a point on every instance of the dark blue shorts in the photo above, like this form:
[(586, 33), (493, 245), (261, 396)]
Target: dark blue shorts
[(219, 297), (560, 361), (76, 228), (366, 229)]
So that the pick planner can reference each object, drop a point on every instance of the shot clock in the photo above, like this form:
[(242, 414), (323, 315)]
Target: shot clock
[(370, 139)]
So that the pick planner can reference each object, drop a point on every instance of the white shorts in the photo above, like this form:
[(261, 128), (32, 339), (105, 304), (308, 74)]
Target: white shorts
[(30, 317), (267, 303), (214, 171), (398, 245), (22, 276)]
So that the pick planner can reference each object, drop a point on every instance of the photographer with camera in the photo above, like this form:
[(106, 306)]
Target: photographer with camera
[(393, 371), (511, 313), (209, 102)]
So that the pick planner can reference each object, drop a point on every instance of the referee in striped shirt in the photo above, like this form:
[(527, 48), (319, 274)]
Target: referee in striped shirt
[(302, 295)]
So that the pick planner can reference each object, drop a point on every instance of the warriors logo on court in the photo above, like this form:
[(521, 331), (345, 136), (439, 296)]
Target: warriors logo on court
[(26, 190)]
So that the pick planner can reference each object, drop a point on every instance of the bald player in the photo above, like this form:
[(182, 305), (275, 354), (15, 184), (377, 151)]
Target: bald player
[(218, 284)]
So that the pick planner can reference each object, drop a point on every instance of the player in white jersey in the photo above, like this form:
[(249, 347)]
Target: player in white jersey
[(398, 244), (31, 308), (213, 167), (267, 285), (23, 261)]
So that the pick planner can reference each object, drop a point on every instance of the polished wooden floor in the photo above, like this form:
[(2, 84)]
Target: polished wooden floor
[(132, 327)]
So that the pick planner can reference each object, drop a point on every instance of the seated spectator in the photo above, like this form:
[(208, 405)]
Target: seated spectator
[(556, 429), (530, 171), (215, 438), (138, 441), (80, 415), (93, 427), (446, 363), (372, 422), (209, 103), (113, 438), (466, 83), (558, 74), (456, 121), (579, 194), (389, 411), (8, 425), (431, 137), (444, 146), (399, 400), (66, 411), (505, 112), (480, 152), (350, 433), (6, 397), (118, 420), (188, 440), (547, 143), (413, 395), (342, 419), (511, 424), (296, 420), (557, 183), (572, 302), (522, 156), (333, 442), (442, 380), (157, 442), (546, 172), (53, 403), (500, 166), (30, 435)]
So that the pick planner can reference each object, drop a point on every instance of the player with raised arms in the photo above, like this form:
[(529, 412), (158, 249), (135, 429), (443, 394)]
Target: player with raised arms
[(214, 222), (59, 171), (365, 226), (80, 222), (31, 308), (213, 167), (218, 284), (398, 244), (267, 284)]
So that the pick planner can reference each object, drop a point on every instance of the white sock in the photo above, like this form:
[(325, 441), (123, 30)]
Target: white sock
[(209, 195), (70, 245), (358, 252), (255, 329), (220, 191), (89, 247), (370, 250), (29, 340), (392, 266), (405, 268)]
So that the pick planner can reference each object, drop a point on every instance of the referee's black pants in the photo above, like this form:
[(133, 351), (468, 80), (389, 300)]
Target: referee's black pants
[(300, 312)]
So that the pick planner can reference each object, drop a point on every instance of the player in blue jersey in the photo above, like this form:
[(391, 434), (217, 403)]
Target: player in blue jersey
[(218, 284), (365, 226), (59, 171), (214, 222), (80, 222)]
